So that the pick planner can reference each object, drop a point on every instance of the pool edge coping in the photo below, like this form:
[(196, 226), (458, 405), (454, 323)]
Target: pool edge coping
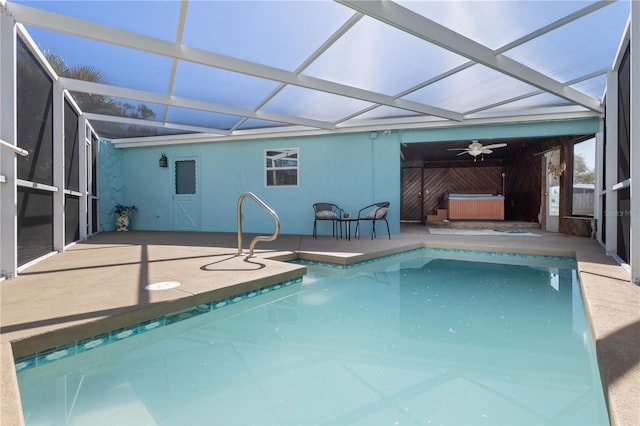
[(79, 334)]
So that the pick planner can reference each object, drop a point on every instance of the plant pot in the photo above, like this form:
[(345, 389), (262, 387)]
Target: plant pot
[(122, 222)]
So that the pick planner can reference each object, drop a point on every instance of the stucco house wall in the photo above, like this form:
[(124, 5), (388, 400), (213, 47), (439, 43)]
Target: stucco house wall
[(351, 170)]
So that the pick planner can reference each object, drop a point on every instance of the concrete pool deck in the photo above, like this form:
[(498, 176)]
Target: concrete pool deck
[(99, 285)]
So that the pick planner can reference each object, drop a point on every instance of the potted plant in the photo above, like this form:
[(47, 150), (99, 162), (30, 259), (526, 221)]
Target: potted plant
[(123, 213)]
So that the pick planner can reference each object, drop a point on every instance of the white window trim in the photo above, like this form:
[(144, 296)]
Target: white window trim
[(268, 169)]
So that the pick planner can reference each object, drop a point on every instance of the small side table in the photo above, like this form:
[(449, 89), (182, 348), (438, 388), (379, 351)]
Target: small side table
[(347, 226)]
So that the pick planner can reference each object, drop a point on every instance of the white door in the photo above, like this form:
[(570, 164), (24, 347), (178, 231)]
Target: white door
[(552, 191), (185, 214)]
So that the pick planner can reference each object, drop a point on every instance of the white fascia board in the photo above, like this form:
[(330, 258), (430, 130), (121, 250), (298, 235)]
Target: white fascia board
[(103, 33), (163, 140), (494, 118), (557, 112), (74, 85), (426, 29), (551, 114)]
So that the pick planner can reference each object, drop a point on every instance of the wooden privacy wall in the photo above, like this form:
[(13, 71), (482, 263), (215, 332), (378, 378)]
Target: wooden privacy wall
[(524, 174), (435, 184), (523, 183), (475, 179), (441, 178), (412, 192)]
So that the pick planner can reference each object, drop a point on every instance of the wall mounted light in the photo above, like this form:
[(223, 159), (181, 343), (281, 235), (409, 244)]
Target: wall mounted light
[(163, 160)]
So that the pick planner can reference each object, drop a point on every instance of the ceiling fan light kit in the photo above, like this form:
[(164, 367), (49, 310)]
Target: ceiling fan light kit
[(475, 148)]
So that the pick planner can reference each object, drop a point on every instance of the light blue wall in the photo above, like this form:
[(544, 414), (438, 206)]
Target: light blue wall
[(351, 170), (111, 183)]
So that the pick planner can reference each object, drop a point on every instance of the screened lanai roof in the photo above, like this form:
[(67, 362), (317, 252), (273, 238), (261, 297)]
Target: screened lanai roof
[(245, 69)]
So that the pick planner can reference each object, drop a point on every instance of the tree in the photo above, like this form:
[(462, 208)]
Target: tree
[(100, 104), (581, 172)]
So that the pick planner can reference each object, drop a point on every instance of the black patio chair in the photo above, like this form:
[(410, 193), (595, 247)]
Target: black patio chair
[(326, 212), (374, 212)]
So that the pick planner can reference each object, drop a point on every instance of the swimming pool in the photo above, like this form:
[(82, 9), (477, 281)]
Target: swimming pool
[(427, 337)]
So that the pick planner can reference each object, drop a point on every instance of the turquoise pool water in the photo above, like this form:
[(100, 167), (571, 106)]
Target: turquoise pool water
[(421, 338)]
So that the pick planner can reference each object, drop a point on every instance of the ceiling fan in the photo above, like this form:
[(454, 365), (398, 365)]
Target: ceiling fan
[(475, 148)]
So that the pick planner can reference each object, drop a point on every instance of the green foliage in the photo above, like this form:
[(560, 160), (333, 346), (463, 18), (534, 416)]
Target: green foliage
[(581, 172), (125, 210), (96, 103)]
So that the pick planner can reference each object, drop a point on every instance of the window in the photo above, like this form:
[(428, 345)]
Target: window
[(584, 178), (282, 167), (185, 177)]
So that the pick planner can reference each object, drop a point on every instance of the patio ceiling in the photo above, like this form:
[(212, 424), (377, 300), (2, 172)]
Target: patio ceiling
[(209, 70)]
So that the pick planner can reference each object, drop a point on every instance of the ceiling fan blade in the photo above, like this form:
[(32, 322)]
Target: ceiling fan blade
[(486, 151), (456, 149), (495, 145), (462, 153)]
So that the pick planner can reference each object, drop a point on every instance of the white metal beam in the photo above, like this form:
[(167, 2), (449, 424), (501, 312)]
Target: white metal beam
[(104, 33), (426, 29), (534, 93), (59, 222), (556, 24), (634, 155), (174, 63), (8, 162), (611, 165), (74, 85), (84, 167)]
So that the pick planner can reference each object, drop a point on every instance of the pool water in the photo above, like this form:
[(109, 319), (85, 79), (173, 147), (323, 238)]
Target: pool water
[(422, 338)]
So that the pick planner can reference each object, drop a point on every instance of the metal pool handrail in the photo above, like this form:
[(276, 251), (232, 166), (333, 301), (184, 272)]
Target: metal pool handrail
[(258, 237), (14, 148)]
